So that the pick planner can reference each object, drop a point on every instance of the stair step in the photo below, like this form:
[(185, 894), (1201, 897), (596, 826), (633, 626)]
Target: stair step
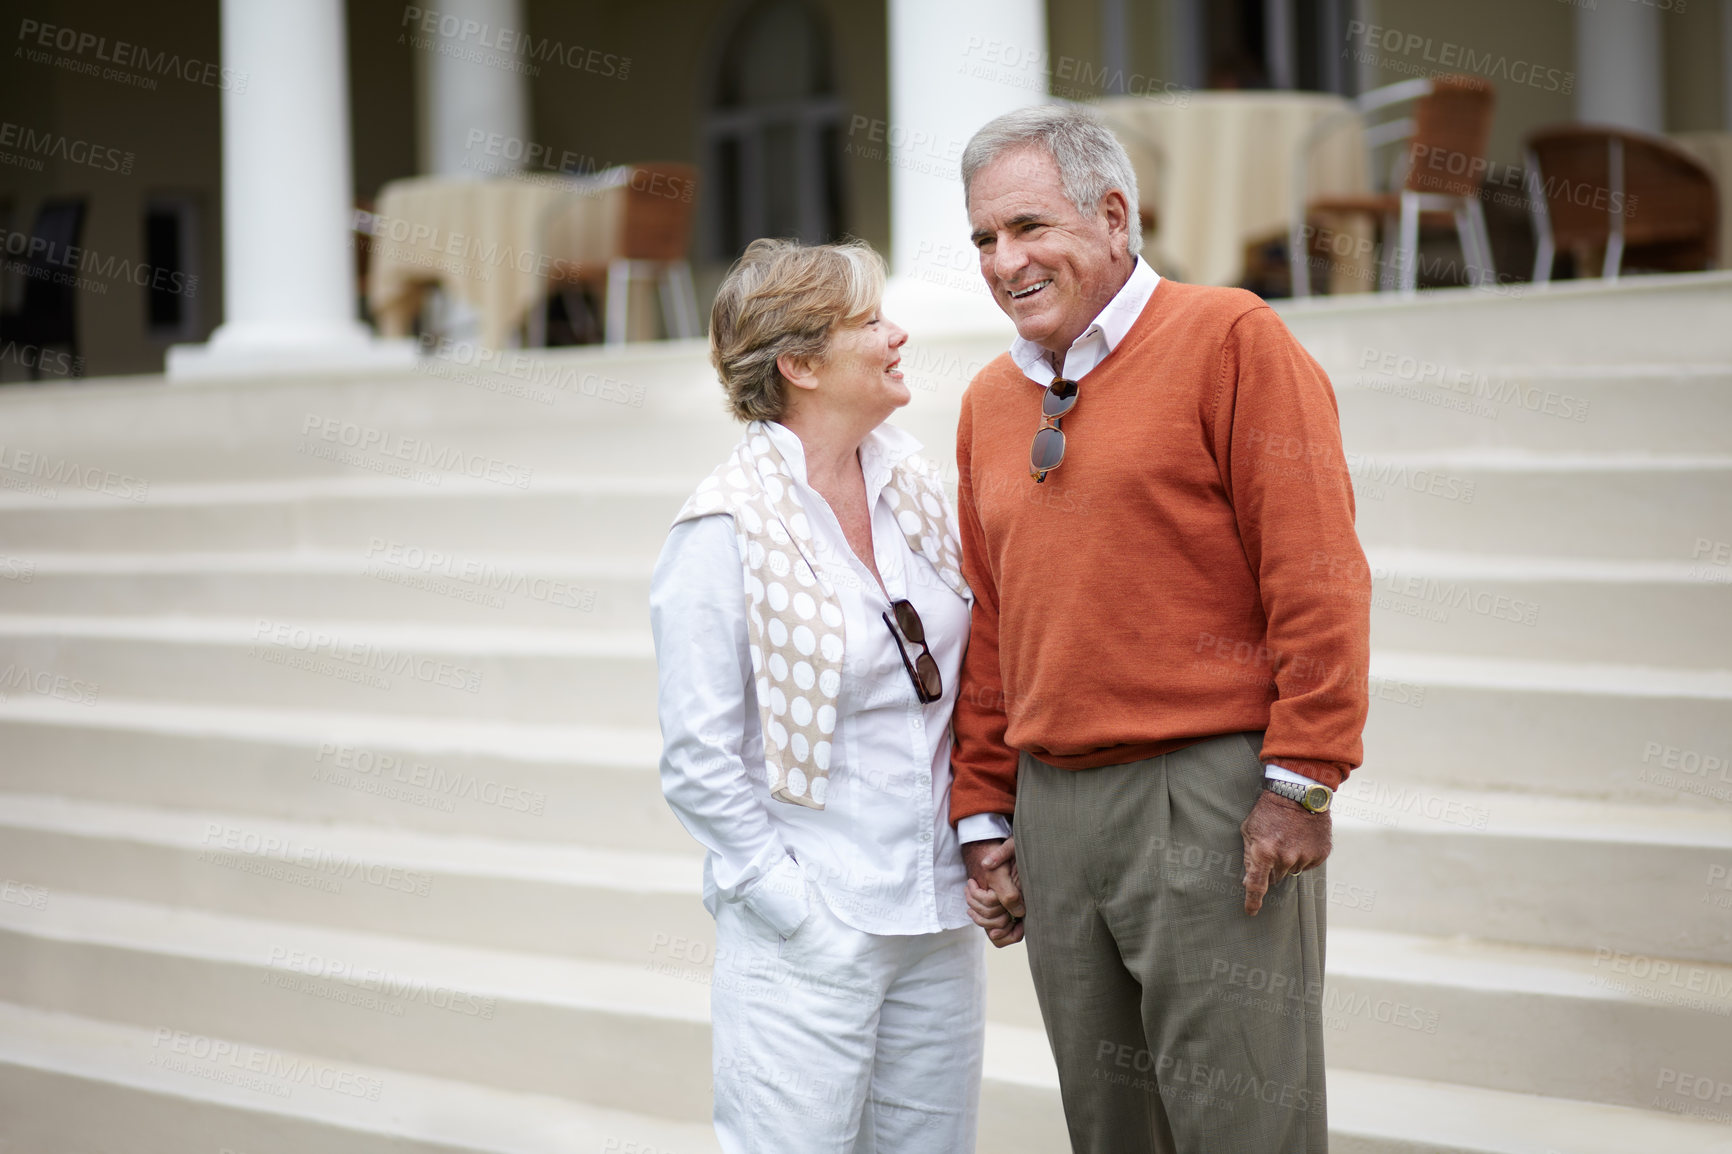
[(68, 1082), (590, 785), (1547, 609), (538, 675), (387, 581), (1585, 322), (1531, 869), (539, 897), (630, 514), (1398, 404), (1635, 506), (1603, 1026), (1379, 1114), (614, 1035), (1612, 732)]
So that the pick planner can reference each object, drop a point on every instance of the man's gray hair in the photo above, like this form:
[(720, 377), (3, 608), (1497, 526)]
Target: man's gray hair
[(1091, 161)]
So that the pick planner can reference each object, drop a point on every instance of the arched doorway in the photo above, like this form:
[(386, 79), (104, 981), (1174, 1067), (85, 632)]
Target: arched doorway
[(773, 132)]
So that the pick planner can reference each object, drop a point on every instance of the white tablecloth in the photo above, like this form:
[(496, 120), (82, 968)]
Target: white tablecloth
[(492, 243), (1218, 169)]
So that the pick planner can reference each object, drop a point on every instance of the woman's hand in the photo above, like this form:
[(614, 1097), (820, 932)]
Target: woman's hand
[(994, 890)]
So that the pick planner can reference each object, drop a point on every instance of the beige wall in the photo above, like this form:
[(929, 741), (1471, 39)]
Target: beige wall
[(1694, 68), (382, 100), (674, 46), (1073, 31)]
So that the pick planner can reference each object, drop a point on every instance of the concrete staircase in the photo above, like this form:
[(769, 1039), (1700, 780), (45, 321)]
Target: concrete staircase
[(328, 810)]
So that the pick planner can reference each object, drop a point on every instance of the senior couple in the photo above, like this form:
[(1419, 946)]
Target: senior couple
[(1105, 727)]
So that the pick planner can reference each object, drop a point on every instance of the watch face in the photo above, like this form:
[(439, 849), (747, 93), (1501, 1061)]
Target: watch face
[(1317, 798)]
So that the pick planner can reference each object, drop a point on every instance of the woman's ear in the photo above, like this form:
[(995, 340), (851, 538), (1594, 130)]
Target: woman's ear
[(796, 372)]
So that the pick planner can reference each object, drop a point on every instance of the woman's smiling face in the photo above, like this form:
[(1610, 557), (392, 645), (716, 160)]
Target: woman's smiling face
[(860, 370)]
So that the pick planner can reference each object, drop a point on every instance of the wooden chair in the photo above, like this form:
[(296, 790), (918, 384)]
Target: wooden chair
[(1436, 178), (1622, 195), (648, 240)]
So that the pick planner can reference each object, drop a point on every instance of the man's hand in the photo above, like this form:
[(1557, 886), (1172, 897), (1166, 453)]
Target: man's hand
[(994, 890), (1281, 837)]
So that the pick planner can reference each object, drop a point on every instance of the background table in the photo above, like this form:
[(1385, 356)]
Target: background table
[(498, 244), (1218, 168)]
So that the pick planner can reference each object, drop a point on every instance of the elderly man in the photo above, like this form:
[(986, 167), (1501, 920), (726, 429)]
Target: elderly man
[(1167, 671)]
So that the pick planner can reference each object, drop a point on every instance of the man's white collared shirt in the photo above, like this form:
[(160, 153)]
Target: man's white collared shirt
[(881, 854), (1099, 339)]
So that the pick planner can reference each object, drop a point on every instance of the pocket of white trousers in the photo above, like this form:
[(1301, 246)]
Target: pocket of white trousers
[(781, 899), (796, 938)]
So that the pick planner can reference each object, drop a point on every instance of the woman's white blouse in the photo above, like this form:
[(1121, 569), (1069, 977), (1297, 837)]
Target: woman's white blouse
[(882, 853)]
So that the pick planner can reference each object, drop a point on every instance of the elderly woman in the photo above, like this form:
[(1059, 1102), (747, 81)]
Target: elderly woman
[(810, 618)]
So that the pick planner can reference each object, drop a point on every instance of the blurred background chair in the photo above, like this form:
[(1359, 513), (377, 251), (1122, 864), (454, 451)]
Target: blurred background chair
[(47, 314), (1435, 179), (649, 240), (1620, 196)]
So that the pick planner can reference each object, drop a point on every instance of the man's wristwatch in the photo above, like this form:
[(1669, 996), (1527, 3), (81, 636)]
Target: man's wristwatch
[(1314, 797)]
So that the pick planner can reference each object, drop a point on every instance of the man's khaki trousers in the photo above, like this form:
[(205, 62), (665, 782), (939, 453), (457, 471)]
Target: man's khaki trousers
[(1180, 1024)]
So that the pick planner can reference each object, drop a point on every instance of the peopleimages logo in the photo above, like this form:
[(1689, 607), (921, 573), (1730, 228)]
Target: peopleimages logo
[(63, 261), (457, 33), (121, 55), (1378, 44), (56, 146)]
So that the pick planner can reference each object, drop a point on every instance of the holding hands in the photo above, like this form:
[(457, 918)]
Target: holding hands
[(994, 890)]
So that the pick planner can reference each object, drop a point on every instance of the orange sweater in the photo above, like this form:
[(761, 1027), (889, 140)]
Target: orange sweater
[(1190, 570)]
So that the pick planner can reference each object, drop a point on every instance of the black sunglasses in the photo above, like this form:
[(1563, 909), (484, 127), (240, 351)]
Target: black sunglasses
[(928, 683), (1047, 452)]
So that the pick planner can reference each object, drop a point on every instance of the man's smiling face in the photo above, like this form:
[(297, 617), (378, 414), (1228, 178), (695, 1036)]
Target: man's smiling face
[(1051, 268)]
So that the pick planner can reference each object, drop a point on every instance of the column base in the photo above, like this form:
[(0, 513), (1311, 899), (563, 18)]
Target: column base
[(235, 358)]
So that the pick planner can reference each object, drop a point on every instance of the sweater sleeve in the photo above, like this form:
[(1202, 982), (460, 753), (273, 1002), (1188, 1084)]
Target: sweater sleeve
[(983, 767), (1278, 438)]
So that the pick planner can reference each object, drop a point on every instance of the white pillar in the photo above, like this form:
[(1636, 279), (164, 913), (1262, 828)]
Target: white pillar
[(953, 67), (476, 88), (1618, 66), (289, 292)]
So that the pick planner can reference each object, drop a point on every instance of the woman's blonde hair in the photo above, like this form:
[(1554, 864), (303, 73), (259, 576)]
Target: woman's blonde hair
[(783, 298)]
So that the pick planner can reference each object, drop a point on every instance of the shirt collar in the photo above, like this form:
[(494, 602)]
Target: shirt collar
[(1110, 326), (883, 448)]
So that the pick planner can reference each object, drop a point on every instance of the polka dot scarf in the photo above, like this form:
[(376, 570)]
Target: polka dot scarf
[(794, 619)]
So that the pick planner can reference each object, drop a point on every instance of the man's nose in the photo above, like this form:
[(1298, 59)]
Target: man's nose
[(1008, 259)]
